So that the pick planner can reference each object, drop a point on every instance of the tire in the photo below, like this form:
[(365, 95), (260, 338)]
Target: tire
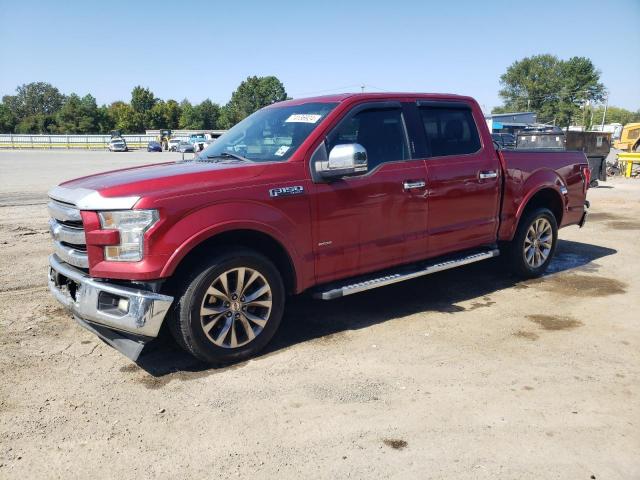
[(519, 251), (206, 308)]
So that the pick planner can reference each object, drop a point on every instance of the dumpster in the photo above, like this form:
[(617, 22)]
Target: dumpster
[(596, 146)]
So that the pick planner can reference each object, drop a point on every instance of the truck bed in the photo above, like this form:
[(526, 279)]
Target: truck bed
[(550, 169)]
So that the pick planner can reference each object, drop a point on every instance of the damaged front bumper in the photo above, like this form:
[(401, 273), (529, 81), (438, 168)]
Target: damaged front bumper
[(124, 317)]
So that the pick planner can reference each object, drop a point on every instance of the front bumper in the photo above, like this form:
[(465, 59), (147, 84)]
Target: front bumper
[(107, 306)]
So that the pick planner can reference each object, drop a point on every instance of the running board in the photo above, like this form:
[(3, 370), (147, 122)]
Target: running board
[(335, 290)]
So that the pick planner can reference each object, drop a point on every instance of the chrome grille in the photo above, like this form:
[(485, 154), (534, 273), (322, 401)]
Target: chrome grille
[(67, 231)]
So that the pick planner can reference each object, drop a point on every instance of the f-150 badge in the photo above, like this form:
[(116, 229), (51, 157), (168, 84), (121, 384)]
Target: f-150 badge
[(286, 191)]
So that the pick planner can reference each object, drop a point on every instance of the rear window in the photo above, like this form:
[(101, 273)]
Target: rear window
[(450, 131)]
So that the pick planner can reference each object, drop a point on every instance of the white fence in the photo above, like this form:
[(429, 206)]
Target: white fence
[(87, 142)]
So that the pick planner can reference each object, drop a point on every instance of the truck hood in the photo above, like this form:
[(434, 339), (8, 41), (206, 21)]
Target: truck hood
[(166, 179)]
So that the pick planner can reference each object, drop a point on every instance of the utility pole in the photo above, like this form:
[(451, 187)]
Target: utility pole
[(604, 114), (362, 88)]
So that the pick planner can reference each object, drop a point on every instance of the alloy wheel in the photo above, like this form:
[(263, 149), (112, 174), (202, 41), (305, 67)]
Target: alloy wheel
[(236, 307), (538, 242)]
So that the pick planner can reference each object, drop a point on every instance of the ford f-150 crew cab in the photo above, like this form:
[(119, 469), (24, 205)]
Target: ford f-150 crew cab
[(332, 195)]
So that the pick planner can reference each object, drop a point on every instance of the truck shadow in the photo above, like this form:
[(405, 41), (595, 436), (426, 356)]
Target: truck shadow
[(307, 319)]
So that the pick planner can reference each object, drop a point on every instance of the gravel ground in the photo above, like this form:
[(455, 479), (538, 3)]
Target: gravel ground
[(464, 374)]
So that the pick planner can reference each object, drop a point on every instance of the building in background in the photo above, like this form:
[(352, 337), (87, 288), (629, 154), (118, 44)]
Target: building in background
[(510, 122)]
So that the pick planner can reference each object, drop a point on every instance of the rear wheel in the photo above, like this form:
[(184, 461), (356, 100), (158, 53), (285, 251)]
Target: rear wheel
[(230, 308), (534, 244)]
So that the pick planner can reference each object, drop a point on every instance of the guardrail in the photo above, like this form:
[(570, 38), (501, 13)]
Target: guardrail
[(86, 142)]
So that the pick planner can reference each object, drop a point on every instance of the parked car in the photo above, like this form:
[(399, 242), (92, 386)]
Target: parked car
[(185, 147), (504, 140), (198, 140), (118, 145), (173, 144), (333, 195), (154, 146)]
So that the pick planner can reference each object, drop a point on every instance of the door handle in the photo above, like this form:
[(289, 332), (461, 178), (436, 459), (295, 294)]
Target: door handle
[(486, 174), (412, 184)]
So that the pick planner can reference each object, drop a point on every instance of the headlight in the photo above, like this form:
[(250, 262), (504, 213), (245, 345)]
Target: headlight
[(132, 224)]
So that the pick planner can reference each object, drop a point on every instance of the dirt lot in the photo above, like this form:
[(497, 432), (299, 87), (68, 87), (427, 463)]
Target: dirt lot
[(464, 374)]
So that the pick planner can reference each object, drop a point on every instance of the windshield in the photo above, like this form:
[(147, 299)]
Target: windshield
[(270, 134)]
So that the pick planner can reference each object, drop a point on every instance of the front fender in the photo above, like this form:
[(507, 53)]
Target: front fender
[(201, 225)]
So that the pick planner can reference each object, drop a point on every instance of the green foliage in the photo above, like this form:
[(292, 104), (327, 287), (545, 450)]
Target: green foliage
[(7, 118), (77, 115), (190, 117), (41, 108), (253, 94), (142, 99), (209, 112), (615, 115), (553, 88), (125, 118)]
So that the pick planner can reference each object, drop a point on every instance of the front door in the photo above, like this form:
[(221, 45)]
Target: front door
[(378, 219)]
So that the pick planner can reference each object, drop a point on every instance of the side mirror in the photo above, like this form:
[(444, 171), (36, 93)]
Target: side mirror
[(344, 160)]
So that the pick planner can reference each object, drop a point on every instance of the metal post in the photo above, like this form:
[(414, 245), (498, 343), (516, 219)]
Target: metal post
[(604, 114), (12, 145)]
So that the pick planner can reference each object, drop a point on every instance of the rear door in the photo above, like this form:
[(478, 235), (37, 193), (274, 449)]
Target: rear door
[(463, 178), (378, 219)]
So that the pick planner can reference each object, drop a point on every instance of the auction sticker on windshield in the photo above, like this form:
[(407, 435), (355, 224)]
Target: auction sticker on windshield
[(303, 118)]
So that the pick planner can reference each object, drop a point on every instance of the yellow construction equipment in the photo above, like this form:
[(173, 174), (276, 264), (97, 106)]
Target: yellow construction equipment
[(163, 139), (629, 139)]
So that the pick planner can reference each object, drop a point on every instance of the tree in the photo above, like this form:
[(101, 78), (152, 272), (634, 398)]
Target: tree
[(190, 116), (615, 115), (553, 88), (253, 94), (7, 119), (78, 115), (172, 114), (209, 112), (125, 118), (142, 99), (37, 98)]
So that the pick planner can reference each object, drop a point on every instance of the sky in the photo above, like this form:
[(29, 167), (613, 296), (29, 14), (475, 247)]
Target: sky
[(204, 49)]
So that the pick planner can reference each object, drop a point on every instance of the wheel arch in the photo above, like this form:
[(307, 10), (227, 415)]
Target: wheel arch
[(250, 238), (547, 196)]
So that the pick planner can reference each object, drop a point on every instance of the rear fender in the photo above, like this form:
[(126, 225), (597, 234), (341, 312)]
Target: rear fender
[(543, 179)]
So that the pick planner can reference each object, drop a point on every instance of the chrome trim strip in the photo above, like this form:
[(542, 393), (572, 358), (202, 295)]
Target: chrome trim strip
[(72, 256), (87, 199), (400, 277), (64, 233), (63, 212), (146, 310)]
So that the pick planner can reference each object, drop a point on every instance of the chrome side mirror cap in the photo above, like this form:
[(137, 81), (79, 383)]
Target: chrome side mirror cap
[(344, 160)]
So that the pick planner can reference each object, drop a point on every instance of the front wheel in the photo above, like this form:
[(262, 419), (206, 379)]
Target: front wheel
[(534, 244), (231, 307)]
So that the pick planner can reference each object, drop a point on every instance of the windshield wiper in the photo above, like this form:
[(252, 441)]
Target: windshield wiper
[(229, 155)]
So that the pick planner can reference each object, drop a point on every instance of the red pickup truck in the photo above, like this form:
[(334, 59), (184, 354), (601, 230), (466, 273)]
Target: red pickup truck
[(332, 195)]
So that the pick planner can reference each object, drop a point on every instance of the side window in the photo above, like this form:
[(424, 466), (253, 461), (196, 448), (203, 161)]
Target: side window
[(450, 131), (380, 132)]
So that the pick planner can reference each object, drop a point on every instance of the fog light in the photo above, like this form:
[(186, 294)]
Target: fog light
[(113, 304), (123, 305)]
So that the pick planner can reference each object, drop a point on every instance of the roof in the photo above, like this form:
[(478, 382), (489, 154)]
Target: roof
[(512, 114), (341, 97)]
